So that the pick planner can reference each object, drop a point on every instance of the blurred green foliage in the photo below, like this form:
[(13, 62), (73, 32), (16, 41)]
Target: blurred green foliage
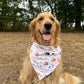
[(15, 15)]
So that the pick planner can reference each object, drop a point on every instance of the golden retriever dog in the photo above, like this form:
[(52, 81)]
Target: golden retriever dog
[(45, 31)]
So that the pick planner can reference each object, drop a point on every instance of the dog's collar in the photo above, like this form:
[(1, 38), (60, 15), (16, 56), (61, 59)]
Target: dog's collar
[(44, 59)]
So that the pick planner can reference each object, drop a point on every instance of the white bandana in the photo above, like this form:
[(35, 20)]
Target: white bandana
[(44, 59)]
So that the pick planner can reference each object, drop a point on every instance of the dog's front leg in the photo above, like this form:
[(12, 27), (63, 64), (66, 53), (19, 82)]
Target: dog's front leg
[(26, 74)]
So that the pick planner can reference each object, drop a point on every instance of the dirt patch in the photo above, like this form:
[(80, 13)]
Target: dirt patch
[(13, 48)]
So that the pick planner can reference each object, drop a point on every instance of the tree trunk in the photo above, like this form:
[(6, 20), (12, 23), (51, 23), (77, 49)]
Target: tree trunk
[(50, 6), (77, 23), (78, 15)]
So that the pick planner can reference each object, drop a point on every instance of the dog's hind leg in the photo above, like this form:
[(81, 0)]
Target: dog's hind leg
[(66, 78)]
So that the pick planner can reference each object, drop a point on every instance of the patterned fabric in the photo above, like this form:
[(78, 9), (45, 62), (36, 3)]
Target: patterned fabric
[(44, 59)]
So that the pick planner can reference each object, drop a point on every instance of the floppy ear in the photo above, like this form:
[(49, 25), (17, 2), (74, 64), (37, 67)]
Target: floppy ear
[(57, 27), (32, 27)]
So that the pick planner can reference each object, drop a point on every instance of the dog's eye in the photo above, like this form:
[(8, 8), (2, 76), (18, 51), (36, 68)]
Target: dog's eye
[(40, 18), (52, 19)]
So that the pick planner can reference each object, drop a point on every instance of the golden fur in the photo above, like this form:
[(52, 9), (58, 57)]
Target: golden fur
[(27, 74)]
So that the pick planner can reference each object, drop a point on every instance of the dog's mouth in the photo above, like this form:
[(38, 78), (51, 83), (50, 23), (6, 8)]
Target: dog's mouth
[(46, 36)]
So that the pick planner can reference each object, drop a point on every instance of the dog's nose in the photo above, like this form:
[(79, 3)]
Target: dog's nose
[(47, 25)]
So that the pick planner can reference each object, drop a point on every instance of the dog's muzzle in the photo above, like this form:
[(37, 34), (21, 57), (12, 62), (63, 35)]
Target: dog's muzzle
[(46, 35), (47, 25)]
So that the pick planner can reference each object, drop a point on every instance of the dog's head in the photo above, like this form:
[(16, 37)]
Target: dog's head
[(45, 29)]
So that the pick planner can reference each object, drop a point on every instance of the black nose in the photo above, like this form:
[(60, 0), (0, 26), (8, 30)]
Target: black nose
[(47, 25)]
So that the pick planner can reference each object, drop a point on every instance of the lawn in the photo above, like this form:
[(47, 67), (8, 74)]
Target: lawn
[(13, 48)]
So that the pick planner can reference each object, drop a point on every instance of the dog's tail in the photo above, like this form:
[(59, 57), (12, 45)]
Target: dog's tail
[(66, 78)]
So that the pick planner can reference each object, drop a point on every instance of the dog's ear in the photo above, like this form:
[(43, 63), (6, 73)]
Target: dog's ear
[(32, 27), (58, 29)]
